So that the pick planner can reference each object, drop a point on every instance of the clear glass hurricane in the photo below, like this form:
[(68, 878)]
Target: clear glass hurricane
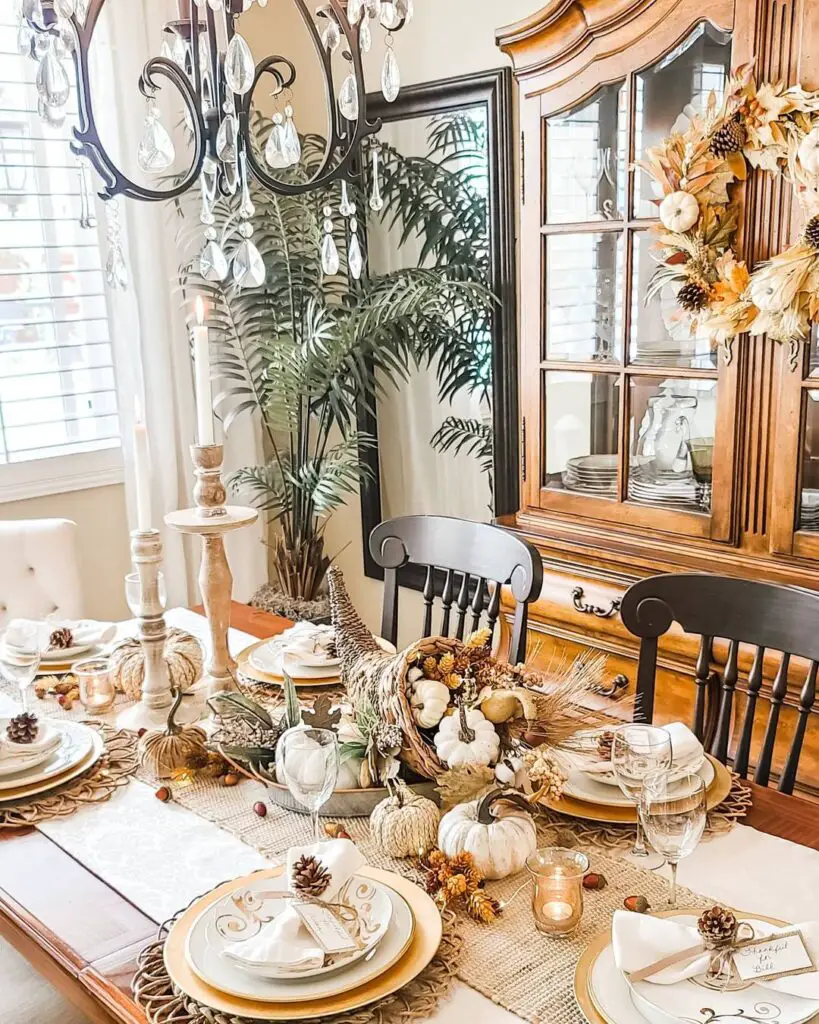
[(673, 815), (307, 762), (133, 591), (20, 656), (637, 751)]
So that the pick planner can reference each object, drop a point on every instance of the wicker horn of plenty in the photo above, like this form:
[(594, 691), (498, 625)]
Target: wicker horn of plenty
[(373, 676)]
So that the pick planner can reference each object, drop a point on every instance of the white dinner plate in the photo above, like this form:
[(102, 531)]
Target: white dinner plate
[(243, 914), (77, 742), (272, 660), (204, 953), (583, 786), (668, 1004), (66, 653)]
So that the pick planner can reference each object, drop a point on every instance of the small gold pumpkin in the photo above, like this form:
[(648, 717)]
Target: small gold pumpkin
[(183, 653), (164, 753)]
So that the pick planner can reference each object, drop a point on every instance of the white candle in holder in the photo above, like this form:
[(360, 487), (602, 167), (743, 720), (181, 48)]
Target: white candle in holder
[(142, 470), (201, 363)]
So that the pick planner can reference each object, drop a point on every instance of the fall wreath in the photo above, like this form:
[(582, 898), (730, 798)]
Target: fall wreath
[(695, 168)]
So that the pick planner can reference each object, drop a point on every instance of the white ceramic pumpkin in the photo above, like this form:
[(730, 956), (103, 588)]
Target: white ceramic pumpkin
[(349, 774), (306, 760), (809, 151), (679, 211), (467, 738), (429, 699), (499, 845)]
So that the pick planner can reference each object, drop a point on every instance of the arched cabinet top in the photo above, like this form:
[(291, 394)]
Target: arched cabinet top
[(572, 35)]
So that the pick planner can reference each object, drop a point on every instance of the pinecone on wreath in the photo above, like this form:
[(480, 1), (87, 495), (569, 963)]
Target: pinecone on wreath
[(812, 232), (61, 639), (728, 138), (22, 728), (692, 297), (717, 925), (310, 878)]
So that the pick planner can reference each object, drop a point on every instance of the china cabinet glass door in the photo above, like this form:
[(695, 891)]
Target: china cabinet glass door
[(635, 414)]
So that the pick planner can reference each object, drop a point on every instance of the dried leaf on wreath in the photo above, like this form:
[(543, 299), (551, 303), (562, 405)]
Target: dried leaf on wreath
[(322, 715)]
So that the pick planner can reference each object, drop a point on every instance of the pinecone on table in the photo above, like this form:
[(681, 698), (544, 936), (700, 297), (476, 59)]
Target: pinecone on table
[(310, 878), (717, 925), (728, 138), (23, 728), (605, 744), (692, 297), (812, 232), (61, 639)]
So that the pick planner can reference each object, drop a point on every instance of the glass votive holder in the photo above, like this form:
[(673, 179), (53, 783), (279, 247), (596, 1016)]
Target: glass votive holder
[(96, 684), (557, 900)]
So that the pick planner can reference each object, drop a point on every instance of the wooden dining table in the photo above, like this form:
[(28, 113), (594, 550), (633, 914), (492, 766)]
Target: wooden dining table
[(84, 937)]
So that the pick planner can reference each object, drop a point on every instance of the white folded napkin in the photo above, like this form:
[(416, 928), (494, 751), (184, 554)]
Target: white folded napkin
[(285, 944), (686, 749), (47, 739), (84, 631), (307, 644), (639, 940)]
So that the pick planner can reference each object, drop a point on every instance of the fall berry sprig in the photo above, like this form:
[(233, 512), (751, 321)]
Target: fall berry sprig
[(455, 881)]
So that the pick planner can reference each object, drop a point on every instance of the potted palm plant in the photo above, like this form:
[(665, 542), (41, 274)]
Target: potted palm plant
[(300, 351)]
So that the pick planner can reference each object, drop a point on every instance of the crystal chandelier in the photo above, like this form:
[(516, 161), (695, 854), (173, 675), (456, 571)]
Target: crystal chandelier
[(212, 67)]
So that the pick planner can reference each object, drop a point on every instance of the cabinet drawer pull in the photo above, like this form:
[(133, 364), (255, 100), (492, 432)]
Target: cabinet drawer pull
[(620, 682), (593, 609)]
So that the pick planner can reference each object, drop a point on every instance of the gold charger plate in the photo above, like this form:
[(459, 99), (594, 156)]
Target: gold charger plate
[(423, 947), (574, 808), (8, 796), (244, 666), (582, 975)]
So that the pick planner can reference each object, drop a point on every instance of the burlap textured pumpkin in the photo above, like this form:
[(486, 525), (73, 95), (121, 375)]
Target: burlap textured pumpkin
[(183, 653), (164, 753)]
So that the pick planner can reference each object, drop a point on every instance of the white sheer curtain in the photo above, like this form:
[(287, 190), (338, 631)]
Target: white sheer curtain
[(152, 335)]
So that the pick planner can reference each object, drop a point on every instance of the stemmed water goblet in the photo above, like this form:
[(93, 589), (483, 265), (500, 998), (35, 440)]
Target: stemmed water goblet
[(673, 815), (307, 762), (637, 751), (20, 656)]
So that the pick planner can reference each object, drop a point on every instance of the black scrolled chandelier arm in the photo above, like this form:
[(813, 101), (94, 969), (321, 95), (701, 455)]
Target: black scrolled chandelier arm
[(87, 139)]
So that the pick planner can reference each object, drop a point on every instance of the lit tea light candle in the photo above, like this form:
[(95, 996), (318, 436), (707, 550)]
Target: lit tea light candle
[(557, 901)]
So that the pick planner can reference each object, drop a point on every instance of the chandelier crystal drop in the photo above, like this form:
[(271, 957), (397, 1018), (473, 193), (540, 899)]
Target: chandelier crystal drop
[(376, 198), (203, 61)]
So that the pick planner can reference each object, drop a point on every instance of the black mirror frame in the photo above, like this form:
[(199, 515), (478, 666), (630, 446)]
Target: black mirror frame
[(494, 90)]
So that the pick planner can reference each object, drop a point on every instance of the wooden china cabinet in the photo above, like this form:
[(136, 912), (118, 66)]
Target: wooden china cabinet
[(644, 451)]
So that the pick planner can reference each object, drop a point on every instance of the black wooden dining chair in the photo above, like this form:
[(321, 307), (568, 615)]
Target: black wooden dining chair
[(470, 556), (769, 617)]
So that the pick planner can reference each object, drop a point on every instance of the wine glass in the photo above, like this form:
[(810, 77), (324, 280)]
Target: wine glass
[(20, 656), (673, 814), (307, 762), (133, 591), (637, 750)]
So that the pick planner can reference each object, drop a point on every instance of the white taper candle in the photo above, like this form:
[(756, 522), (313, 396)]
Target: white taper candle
[(142, 470), (201, 362)]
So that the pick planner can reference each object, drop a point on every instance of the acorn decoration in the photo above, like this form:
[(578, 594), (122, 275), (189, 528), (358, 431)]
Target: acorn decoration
[(594, 880), (637, 904), (23, 728), (310, 878), (717, 926), (61, 639)]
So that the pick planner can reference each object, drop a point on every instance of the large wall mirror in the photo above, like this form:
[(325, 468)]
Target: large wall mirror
[(447, 437)]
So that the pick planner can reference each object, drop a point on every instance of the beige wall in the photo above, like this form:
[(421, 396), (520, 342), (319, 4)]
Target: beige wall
[(102, 529), (446, 38)]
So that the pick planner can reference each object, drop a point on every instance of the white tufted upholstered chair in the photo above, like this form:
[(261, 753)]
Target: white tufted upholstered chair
[(39, 569)]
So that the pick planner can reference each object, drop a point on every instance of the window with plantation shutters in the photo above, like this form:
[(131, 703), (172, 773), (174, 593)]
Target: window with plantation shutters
[(57, 385)]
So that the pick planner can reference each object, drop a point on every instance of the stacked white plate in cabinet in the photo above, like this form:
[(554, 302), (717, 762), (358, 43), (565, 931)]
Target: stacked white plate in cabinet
[(78, 748)]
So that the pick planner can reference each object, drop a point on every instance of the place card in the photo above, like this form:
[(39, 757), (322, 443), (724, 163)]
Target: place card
[(326, 928), (778, 956)]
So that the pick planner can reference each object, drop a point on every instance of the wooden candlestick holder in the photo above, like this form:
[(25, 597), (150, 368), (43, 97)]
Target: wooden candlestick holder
[(211, 519), (151, 711)]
